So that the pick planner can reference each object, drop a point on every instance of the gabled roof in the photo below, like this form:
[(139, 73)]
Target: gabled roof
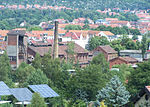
[(126, 59), (119, 22), (107, 49), (107, 33)]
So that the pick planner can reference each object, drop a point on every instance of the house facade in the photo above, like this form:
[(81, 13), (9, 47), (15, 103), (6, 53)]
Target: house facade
[(143, 98)]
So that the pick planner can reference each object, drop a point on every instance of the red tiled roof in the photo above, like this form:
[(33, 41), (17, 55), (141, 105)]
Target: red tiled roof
[(4, 32), (118, 22), (148, 88), (108, 33)]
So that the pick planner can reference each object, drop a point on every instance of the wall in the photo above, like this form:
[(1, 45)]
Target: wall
[(116, 61), (141, 102)]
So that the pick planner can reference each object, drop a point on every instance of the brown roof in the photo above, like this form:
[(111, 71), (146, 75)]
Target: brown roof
[(128, 59), (107, 49), (61, 49)]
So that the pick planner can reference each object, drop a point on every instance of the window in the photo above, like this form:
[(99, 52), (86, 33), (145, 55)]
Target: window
[(13, 58)]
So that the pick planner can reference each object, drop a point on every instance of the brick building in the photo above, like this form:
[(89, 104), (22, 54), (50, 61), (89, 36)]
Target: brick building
[(108, 52), (123, 60), (17, 47), (80, 54)]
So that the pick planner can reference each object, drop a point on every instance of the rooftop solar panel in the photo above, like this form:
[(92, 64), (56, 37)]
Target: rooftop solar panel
[(4, 89), (21, 94), (44, 90)]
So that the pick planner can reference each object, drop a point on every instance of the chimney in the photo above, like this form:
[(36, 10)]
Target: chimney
[(55, 45)]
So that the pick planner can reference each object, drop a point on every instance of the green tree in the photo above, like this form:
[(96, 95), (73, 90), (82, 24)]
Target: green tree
[(123, 73), (73, 27), (139, 78), (37, 77), (116, 45), (97, 41), (144, 45), (37, 62), (131, 45), (87, 81), (114, 94), (23, 72), (101, 60), (135, 37), (34, 28), (86, 27), (5, 68), (70, 52), (37, 101)]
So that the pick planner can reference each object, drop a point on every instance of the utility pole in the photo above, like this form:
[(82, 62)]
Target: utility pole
[(55, 45)]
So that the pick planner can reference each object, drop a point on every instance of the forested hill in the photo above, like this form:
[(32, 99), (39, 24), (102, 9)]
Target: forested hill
[(86, 4)]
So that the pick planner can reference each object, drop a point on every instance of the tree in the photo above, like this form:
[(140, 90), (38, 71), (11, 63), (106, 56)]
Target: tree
[(73, 27), (70, 52), (86, 27), (37, 101), (116, 45), (144, 45), (96, 41), (34, 28), (114, 94), (135, 37), (5, 68), (131, 45), (23, 72), (139, 78), (36, 77), (101, 60), (37, 62), (87, 82)]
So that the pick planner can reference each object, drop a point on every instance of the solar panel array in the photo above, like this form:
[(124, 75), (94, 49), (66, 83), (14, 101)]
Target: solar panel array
[(4, 89), (44, 90), (21, 94)]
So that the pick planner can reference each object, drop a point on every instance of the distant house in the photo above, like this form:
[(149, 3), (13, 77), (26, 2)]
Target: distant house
[(101, 21), (110, 36), (82, 20), (108, 52), (123, 60), (79, 37), (137, 54), (121, 23), (61, 21), (143, 98)]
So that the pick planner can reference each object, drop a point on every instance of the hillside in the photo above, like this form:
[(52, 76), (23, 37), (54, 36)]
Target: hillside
[(86, 4)]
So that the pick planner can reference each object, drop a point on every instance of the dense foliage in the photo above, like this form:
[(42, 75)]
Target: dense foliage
[(37, 101), (139, 78), (86, 4), (119, 30), (10, 19)]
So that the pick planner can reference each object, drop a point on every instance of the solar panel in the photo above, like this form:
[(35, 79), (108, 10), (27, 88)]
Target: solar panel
[(21, 94), (4, 89), (44, 90)]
